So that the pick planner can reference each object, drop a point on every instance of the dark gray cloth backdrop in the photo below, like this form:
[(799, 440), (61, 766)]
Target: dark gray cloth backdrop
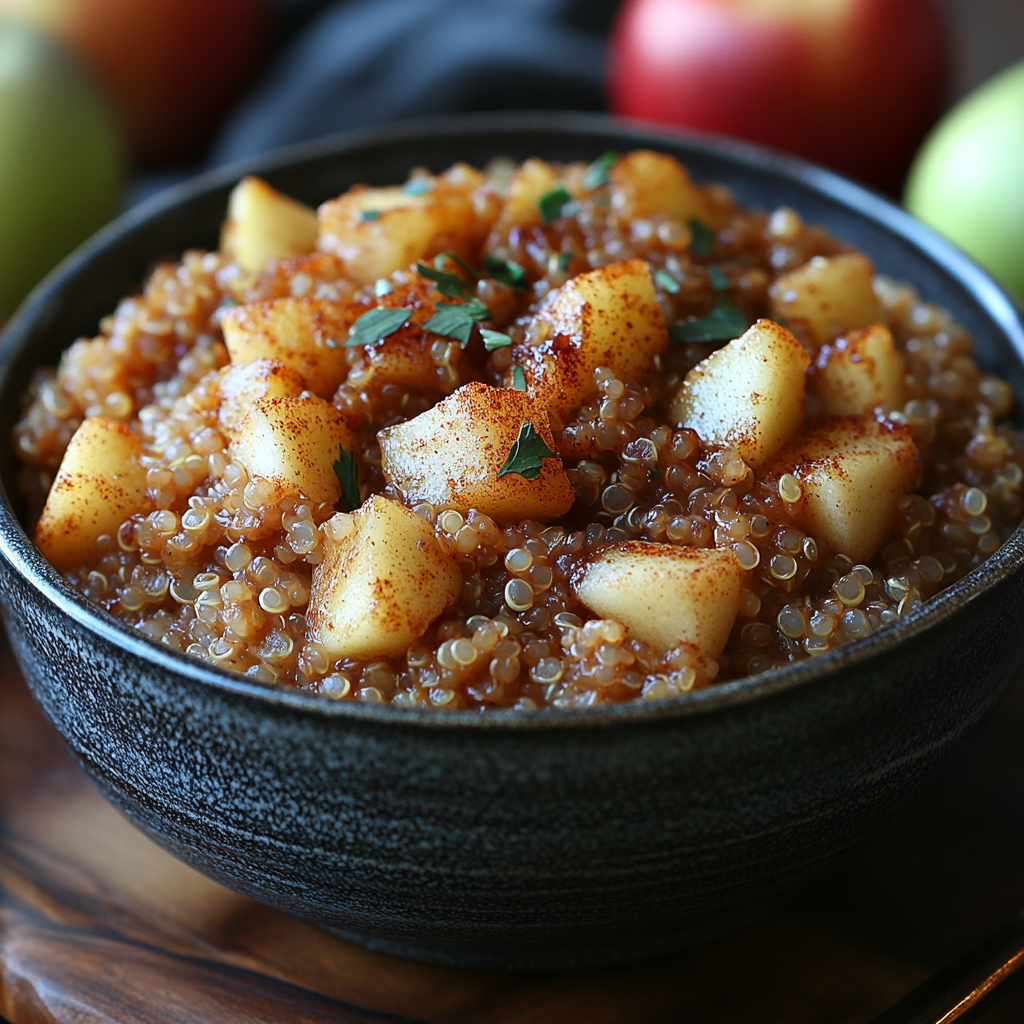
[(363, 62)]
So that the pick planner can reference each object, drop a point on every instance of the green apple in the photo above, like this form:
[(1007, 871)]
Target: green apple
[(968, 179), (61, 163)]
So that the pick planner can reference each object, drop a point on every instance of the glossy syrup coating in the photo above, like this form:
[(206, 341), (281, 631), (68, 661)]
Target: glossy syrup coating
[(223, 566)]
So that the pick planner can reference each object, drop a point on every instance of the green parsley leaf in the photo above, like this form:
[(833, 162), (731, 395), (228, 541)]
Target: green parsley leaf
[(383, 287), (418, 187), (597, 172), (654, 475), (518, 379), (225, 305), (718, 280), (666, 282), (723, 323), (369, 215), (526, 454), (449, 255), (451, 286), (564, 259), (494, 339), (457, 321), (702, 237), (377, 324), (551, 204), (348, 476), (506, 272)]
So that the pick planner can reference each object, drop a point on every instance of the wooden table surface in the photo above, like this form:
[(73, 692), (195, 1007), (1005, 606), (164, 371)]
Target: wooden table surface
[(97, 924)]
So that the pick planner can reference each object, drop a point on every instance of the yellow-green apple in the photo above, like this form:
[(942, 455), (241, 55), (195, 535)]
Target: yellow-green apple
[(60, 158), (968, 181)]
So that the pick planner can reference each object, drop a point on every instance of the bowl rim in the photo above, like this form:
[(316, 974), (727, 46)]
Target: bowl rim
[(24, 558)]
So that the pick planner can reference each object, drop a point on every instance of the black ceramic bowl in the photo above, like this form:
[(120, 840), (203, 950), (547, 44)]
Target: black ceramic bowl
[(548, 839)]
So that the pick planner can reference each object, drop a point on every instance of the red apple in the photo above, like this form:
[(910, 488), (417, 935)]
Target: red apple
[(852, 84), (171, 66)]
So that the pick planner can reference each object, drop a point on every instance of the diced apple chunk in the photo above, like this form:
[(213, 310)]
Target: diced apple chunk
[(858, 373), (606, 317), (100, 484), (376, 231), (307, 335), (665, 595), (264, 225), (244, 384), (381, 585), (749, 395), (853, 471), (404, 360), (453, 454), (531, 181), (645, 184), (293, 443), (404, 357), (826, 297)]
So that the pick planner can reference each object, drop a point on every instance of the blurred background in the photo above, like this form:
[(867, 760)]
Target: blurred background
[(103, 102)]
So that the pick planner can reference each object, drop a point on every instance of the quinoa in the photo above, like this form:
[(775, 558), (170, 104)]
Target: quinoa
[(222, 568)]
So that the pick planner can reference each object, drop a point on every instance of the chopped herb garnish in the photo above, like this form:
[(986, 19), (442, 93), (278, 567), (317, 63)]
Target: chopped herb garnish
[(718, 280), (418, 187), (654, 475), (723, 323), (597, 172), (225, 305), (494, 339), (526, 454), (457, 321), (369, 215), (451, 286), (518, 379), (383, 287), (449, 255), (564, 259), (702, 237), (377, 324), (666, 282), (506, 272), (551, 204), (348, 476)]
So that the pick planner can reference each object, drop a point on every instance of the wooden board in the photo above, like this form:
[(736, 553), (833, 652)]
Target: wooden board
[(97, 924)]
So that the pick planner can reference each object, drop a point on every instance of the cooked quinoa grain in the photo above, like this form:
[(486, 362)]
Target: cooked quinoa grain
[(335, 503)]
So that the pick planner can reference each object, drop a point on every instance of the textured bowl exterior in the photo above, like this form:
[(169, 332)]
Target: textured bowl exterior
[(561, 838)]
